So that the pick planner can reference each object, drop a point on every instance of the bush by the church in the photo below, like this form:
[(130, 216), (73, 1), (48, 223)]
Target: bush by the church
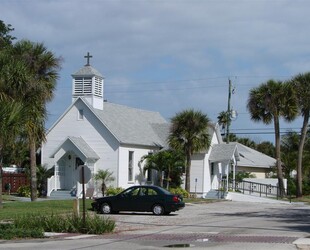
[(22, 227), (114, 191), (179, 191)]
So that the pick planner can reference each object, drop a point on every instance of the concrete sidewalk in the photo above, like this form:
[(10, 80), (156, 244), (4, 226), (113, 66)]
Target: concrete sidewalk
[(234, 196)]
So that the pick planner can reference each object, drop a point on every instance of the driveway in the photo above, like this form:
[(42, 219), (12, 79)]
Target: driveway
[(219, 225)]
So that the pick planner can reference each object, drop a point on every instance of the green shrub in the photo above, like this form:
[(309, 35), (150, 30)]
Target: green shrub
[(24, 191), (179, 191), (114, 191), (70, 223), (10, 231)]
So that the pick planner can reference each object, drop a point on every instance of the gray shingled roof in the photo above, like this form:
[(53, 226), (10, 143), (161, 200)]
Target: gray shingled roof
[(133, 126), (87, 71), (223, 152), (84, 147), (252, 158), (81, 145)]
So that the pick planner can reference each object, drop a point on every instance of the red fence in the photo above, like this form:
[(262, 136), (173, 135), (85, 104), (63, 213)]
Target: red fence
[(15, 180)]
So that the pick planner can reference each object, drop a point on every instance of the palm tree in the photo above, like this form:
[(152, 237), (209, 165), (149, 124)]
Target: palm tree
[(157, 162), (247, 142), (267, 148), (42, 67), (5, 37), (105, 176), (175, 161), (10, 121), (301, 84), (42, 175), (224, 120), (189, 134), (163, 161), (11, 109), (269, 102)]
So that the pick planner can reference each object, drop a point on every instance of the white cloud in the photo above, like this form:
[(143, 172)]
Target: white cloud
[(136, 41)]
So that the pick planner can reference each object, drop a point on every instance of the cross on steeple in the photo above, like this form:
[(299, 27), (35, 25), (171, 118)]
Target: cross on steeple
[(88, 56)]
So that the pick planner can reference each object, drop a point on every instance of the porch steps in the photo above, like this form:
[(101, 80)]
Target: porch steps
[(62, 195), (216, 194)]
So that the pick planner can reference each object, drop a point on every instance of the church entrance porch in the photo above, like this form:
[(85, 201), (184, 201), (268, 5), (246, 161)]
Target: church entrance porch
[(68, 157), (65, 173)]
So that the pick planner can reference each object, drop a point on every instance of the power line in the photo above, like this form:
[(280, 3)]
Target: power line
[(223, 84), (263, 128)]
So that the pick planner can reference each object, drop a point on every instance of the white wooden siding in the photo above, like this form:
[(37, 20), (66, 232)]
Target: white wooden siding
[(123, 164), (91, 130)]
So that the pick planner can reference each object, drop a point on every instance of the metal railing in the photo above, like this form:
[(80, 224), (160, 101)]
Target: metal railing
[(254, 188)]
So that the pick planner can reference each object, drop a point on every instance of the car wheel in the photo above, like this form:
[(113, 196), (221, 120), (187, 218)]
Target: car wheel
[(105, 208), (158, 209)]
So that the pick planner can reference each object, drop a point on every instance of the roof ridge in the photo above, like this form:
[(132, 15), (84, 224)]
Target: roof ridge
[(133, 108)]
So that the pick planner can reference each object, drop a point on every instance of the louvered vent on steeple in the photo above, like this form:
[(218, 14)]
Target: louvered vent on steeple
[(88, 83), (82, 85)]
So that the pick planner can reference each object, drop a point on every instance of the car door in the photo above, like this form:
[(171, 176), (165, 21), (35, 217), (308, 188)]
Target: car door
[(149, 197), (125, 200), (140, 201)]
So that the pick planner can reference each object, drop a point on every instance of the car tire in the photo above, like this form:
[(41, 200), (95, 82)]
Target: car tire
[(105, 208), (158, 209)]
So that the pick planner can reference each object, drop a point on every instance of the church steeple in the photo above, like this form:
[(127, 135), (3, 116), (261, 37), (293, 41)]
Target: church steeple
[(88, 83)]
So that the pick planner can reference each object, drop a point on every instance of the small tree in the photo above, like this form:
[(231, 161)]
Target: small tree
[(166, 161), (105, 176), (42, 175)]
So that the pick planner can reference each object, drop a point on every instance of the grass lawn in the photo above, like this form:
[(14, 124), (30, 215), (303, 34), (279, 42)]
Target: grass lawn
[(13, 208), (305, 199)]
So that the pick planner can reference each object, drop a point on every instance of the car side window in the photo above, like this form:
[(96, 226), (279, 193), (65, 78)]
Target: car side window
[(143, 191), (129, 192), (135, 192), (152, 192)]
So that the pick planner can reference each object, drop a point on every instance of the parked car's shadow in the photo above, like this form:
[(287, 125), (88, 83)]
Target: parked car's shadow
[(141, 214)]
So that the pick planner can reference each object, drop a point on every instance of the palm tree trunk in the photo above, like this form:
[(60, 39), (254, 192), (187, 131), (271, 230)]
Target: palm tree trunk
[(33, 169), (161, 180), (168, 179), (188, 172), (1, 175), (1, 185), (300, 153), (278, 157)]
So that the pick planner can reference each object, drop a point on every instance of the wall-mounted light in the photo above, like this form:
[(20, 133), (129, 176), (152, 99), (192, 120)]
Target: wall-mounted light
[(69, 157)]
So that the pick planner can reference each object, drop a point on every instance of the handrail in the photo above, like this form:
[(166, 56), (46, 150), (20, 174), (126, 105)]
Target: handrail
[(51, 185), (255, 187)]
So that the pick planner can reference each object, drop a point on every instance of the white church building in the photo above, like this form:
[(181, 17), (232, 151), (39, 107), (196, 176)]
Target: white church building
[(103, 135)]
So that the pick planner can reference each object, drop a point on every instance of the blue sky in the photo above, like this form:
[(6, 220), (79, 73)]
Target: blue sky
[(171, 55)]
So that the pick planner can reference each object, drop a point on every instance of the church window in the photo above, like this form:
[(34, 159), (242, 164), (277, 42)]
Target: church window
[(130, 166), (80, 114)]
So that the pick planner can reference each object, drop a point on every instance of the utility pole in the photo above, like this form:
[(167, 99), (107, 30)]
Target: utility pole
[(228, 111)]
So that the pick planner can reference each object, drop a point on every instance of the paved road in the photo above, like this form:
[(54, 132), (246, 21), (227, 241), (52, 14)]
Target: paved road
[(220, 225)]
